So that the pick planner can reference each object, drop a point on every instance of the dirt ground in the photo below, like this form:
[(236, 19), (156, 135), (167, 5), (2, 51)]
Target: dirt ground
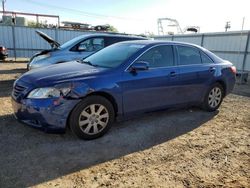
[(181, 148)]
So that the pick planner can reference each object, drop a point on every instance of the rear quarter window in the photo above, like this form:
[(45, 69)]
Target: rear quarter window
[(205, 59)]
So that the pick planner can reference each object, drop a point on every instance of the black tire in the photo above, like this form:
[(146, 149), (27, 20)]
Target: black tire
[(3, 59), (74, 120), (206, 106)]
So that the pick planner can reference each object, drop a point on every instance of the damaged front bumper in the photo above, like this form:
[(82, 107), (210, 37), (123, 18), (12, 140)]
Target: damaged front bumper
[(49, 115)]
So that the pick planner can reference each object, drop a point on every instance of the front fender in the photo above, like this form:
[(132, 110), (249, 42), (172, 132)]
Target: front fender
[(41, 63), (79, 90)]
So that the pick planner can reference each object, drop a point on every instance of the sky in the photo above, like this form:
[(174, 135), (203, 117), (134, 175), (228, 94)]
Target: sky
[(140, 16)]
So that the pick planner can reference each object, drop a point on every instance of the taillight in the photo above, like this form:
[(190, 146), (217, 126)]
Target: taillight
[(233, 69), (3, 49)]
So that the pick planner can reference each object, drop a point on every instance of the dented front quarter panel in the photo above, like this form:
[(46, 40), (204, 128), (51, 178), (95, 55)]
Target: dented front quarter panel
[(101, 84)]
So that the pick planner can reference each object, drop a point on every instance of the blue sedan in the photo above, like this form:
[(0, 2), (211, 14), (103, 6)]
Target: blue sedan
[(123, 79)]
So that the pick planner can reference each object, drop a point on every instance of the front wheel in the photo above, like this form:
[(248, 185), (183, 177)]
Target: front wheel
[(213, 98), (92, 117)]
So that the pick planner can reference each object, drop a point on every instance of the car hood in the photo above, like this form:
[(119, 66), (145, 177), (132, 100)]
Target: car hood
[(60, 73), (53, 43)]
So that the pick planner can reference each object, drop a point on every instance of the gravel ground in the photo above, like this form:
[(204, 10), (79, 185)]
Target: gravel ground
[(181, 148)]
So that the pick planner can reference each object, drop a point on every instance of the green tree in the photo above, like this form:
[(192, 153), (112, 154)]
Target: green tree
[(34, 24), (112, 29)]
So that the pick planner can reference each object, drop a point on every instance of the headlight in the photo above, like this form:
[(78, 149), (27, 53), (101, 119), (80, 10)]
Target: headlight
[(48, 92)]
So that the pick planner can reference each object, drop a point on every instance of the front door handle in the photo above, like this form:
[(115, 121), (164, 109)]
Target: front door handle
[(172, 74)]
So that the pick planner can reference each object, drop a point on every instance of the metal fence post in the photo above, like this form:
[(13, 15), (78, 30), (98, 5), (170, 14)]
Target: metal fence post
[(202, 39), (245, 52), (56, 34), (14, 40)]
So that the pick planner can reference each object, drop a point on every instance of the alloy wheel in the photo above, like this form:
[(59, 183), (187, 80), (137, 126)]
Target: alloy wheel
[(214, 97), (93, 119)]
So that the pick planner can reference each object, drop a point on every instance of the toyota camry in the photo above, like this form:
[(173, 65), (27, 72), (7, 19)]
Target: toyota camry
[(123, 79)]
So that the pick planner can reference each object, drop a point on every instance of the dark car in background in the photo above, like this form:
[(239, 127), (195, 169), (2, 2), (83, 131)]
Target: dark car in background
[(3, 53), (121, 80), (75, 49)]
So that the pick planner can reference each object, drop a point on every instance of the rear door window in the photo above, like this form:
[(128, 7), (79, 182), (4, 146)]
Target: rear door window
[(188, 55), (111, 40)]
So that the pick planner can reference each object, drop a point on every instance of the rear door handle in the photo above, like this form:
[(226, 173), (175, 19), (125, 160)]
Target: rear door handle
[(172, 74), (212, 69)]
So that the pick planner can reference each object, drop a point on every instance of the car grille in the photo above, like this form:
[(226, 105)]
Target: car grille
[(17, 90)]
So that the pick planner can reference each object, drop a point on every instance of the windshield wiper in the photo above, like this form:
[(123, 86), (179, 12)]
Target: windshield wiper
[(89, 63), (86, 62)]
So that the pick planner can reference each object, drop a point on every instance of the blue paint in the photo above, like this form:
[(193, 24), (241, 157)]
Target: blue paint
[(133, 92)]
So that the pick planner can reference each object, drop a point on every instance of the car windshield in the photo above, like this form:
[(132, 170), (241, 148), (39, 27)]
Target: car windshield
[(71, 42), (113, 55)]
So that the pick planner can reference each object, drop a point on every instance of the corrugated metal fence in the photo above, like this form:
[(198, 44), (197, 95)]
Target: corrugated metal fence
[(24, 42), (233, 46)]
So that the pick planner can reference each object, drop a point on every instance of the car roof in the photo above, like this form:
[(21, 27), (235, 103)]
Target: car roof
[(113, 35), (159, 42)]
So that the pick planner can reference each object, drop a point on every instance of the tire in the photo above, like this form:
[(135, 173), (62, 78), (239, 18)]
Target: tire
[(3, 58), (213, 98), (92, 117)]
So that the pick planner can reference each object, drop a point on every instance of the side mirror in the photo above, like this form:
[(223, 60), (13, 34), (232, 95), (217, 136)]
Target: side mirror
[(139, 66)]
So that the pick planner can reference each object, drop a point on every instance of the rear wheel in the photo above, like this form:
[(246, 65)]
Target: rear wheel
[(92, 117), (213, 98)]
